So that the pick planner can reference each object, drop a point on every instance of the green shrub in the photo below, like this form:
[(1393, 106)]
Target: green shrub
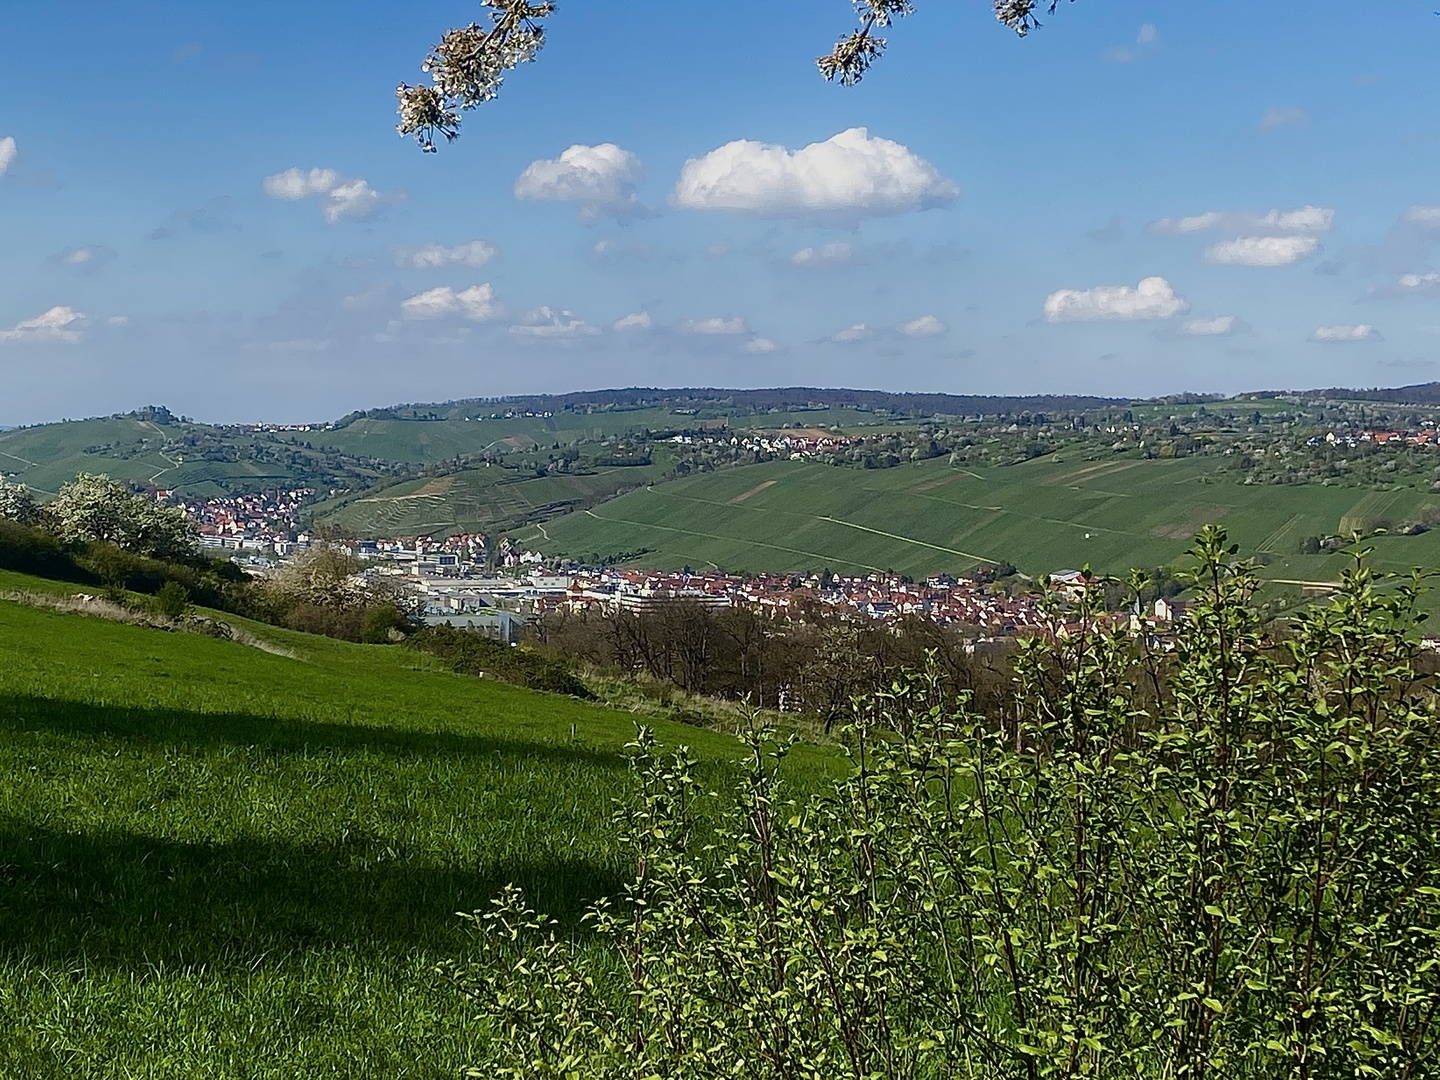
[(1219, 860), (470, 653), (172, 600)]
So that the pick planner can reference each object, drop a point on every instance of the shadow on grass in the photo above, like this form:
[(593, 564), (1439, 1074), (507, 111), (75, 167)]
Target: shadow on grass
[(133, 901), (175, 727), (111, 896)]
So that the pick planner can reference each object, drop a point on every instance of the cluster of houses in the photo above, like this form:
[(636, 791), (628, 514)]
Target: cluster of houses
[(265, 522), (1425, 436), (499, 605)]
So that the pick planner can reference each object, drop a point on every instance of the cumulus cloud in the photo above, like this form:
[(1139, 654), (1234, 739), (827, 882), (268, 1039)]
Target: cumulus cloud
[(1264, 251), (757, 346), (599, 179), (851, 334), (924, 326), (1220, 326), (847, 177), (339, 197), (7, 153), (552, 323), (1306, 221), (825, 256), (715, 326), (1345, 335), (475, 304), (1283, 116), (636, 320), (1153, 298), (474, 254), (58, 326)]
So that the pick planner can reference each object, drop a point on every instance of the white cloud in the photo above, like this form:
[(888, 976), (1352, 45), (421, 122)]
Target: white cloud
[(339, 197), (1306, 221), (847, 177), (1153, 298), (1425, 217), (715, 326), (58, 326), (1346, 335), (600, 179), (1265, 251), (636, 320), (851, 334), (292, 185), (834, 254), (757, 346), (1283, 116), (1220, 326), (474, 254), (476, 304), (7, 153), (118, 320), (924, 326), (1427, 284), (548, 322)]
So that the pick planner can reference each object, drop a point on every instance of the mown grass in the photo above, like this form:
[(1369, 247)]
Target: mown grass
[(219, 862)]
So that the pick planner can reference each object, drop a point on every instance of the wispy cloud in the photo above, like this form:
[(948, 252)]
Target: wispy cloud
[(1262, 251), (474, 254), (1146, 40), (1283, 116), (1345, 335), (923, 327)]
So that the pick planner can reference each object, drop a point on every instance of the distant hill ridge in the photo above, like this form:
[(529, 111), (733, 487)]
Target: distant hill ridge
[(1416, 394), (786, 397)]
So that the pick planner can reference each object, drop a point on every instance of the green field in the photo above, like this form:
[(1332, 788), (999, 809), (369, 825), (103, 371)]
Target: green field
[(479, 500), (219, 862), (1043, 515)]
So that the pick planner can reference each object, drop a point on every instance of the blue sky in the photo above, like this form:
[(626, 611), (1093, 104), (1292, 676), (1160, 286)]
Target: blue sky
[(207, 206)]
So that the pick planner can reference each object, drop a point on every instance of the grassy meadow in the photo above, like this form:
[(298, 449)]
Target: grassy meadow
[(1048, 514), (219, 861)]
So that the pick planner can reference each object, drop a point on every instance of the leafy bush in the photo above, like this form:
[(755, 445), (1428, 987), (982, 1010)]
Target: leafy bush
[(172, 600), (1227, 871), (470, 653)]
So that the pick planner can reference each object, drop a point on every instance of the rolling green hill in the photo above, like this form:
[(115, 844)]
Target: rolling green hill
[(1043, 515), (479, 500), (195, 459), (216, 861)]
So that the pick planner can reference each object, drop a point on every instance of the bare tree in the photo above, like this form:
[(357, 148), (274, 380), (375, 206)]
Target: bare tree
[(469, 64)]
